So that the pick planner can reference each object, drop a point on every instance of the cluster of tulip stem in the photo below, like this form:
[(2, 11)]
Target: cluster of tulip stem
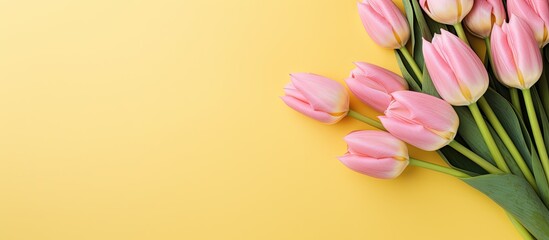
[(457, 73), (494, 121), (517, 27), (475, 19)]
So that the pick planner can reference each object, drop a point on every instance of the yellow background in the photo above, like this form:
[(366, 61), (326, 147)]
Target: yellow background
[(144, 119)]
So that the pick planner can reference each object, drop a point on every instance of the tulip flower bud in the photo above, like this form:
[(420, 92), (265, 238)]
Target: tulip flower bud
[(457, 73), (318, 97), (376, 154), (384, 23), (515, 54), (421, 120), (373, 85), (447, 11), (483, 16), (534, 13)]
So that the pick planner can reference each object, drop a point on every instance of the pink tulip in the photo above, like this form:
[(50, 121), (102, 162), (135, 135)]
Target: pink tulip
[(318, 97), (421, 120), (535, 13), (376, 154), (384, 23), (373, 85), (457, 73), (516, 57), (447, 11), (483, 16)]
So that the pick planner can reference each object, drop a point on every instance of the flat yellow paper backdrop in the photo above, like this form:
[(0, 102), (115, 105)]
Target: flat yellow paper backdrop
[(144, 119)]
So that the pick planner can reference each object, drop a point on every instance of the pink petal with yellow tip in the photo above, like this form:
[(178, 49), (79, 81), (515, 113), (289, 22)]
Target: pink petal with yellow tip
[(431, 112), (447, 11), (384, 168), (376, 144), (442, 75), (415, 134), (468, 69), (503, 59), (535, 13), (322, 93), (308, 110), (390, 80), (525, 51)]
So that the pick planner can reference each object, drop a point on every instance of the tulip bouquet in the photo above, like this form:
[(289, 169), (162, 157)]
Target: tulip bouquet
[(489, 120)]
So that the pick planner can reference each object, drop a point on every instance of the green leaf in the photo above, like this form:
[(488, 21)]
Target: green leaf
[(470, 133), (512, 124), (406, 72), (416, 35), (411, 21), (418, 13), (421, 30), (542, 116), (427, 85), (507, 157), (432, 26), (458, 161), (435, 26), (542, 82), (496, 85), (539, 175), (517, 197), (537, 167)]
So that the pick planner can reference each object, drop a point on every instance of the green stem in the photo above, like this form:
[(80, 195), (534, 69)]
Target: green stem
[(474, 157), (534, 124), (461, 32), (515, 100), (365, 119), (502, 133), (488, 50), (412, 62), (438, 168), (521, 229), (488, 139)]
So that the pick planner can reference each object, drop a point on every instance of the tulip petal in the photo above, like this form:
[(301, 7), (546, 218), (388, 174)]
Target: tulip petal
[(291, 91), (376, 144), (442, 74), (498, 11), (525, 51), (384, 168), (378, 28), (322, 93), (414, 134), (504, 62), (447, 11), (309, 111), (479, 20), (469, 70), (535, 13), (431, 112), (442, 11), (465, 8), (368, 93), (389, 80), (392, 14)]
